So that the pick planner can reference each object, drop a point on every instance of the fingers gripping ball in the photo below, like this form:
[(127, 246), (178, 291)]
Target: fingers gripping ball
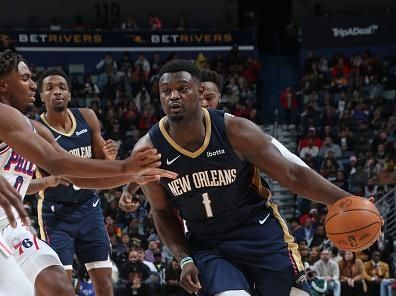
[(353, 223)]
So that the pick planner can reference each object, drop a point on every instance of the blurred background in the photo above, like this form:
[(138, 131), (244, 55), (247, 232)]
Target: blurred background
[(318, 75)]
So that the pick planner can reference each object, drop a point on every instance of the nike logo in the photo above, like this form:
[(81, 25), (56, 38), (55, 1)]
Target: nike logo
[(263, 221), (58, 137), (95, 203), (169, 162)]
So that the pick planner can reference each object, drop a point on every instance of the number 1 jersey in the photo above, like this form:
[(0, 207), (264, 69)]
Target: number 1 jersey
[(215, 190)]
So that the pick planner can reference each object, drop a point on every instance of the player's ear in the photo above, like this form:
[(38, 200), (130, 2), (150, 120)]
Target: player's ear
[(68, 96), (3, 86), (201, 90), (41, 97)]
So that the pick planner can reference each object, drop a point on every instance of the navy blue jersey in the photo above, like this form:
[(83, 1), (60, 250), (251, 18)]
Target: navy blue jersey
[(215, 191), (79, 143)]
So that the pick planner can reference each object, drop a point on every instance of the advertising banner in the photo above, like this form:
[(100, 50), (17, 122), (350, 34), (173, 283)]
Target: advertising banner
[(128, 40), (348, 31)]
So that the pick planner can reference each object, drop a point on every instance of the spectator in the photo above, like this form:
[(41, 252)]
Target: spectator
[(376, 271), (155, 24), (310, 149), (125, 62), (6, 43), (314, 255), (79, 24), (328, 145), (136, 287), (289, 103), (134, 268), (152, 248), (352, 275), (310, 135), (371, 189), (107, 63), (388, 285), (90, 89), (328, 269), (142, 258), (319, 236), (201, 61), (318, 285), (55, 25), (141, 60), (129, 24), (172, 275), (181, 24), (307, 231)]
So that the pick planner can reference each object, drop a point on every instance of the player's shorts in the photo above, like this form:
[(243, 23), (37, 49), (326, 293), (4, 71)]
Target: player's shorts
[(30, 253), (12, 280), (76, 229), (259, 257)]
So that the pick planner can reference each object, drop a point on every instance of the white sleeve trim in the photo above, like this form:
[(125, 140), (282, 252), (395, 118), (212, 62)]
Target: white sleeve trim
[(287, 154)]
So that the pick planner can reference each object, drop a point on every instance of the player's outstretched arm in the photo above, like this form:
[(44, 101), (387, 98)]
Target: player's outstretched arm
[(96, 183), (249, 141), (37, 185), (9, 199), (19, 135)]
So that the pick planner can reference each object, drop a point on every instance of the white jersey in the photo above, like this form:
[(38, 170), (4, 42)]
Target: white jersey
[(31, 254), (17, 170)]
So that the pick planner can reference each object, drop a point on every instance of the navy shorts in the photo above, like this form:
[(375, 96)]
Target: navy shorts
[(259, 257), (75, 229)]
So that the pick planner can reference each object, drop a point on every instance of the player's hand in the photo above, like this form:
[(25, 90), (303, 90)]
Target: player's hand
[(126, 203), (189, 279), (53, 181), (110, 149), (9, 199), (141, 161), (152, 175)]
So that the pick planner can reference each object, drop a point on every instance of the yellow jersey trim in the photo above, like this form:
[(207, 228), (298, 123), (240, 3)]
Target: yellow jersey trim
[(205, 144), (40, 209), (260, 188), (69, 133), (288, 238)]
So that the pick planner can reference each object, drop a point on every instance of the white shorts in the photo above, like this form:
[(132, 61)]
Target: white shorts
[(12, 280), (30, 253)]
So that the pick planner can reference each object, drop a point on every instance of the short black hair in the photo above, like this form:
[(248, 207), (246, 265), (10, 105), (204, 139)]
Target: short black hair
[(179, 65), (9, 61), (212, 76), (52, 72)]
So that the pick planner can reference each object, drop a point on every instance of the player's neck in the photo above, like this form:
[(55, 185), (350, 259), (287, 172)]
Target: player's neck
[(60, 120), (188, 133)]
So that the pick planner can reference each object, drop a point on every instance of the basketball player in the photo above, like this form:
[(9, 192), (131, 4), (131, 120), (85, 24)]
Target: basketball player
[(238, 242), (72, 217), (36, 259), (16, 284), (210, 94)]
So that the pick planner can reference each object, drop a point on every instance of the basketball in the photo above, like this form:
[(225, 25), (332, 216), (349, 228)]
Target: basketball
[(353, 223)]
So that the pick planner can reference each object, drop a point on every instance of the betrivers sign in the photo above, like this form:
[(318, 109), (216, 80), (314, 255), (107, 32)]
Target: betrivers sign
[(354, 31)]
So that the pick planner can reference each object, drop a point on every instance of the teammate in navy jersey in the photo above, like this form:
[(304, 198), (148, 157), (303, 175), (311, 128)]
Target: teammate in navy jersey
[(17, 92), (238, 242), (70, 218)]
